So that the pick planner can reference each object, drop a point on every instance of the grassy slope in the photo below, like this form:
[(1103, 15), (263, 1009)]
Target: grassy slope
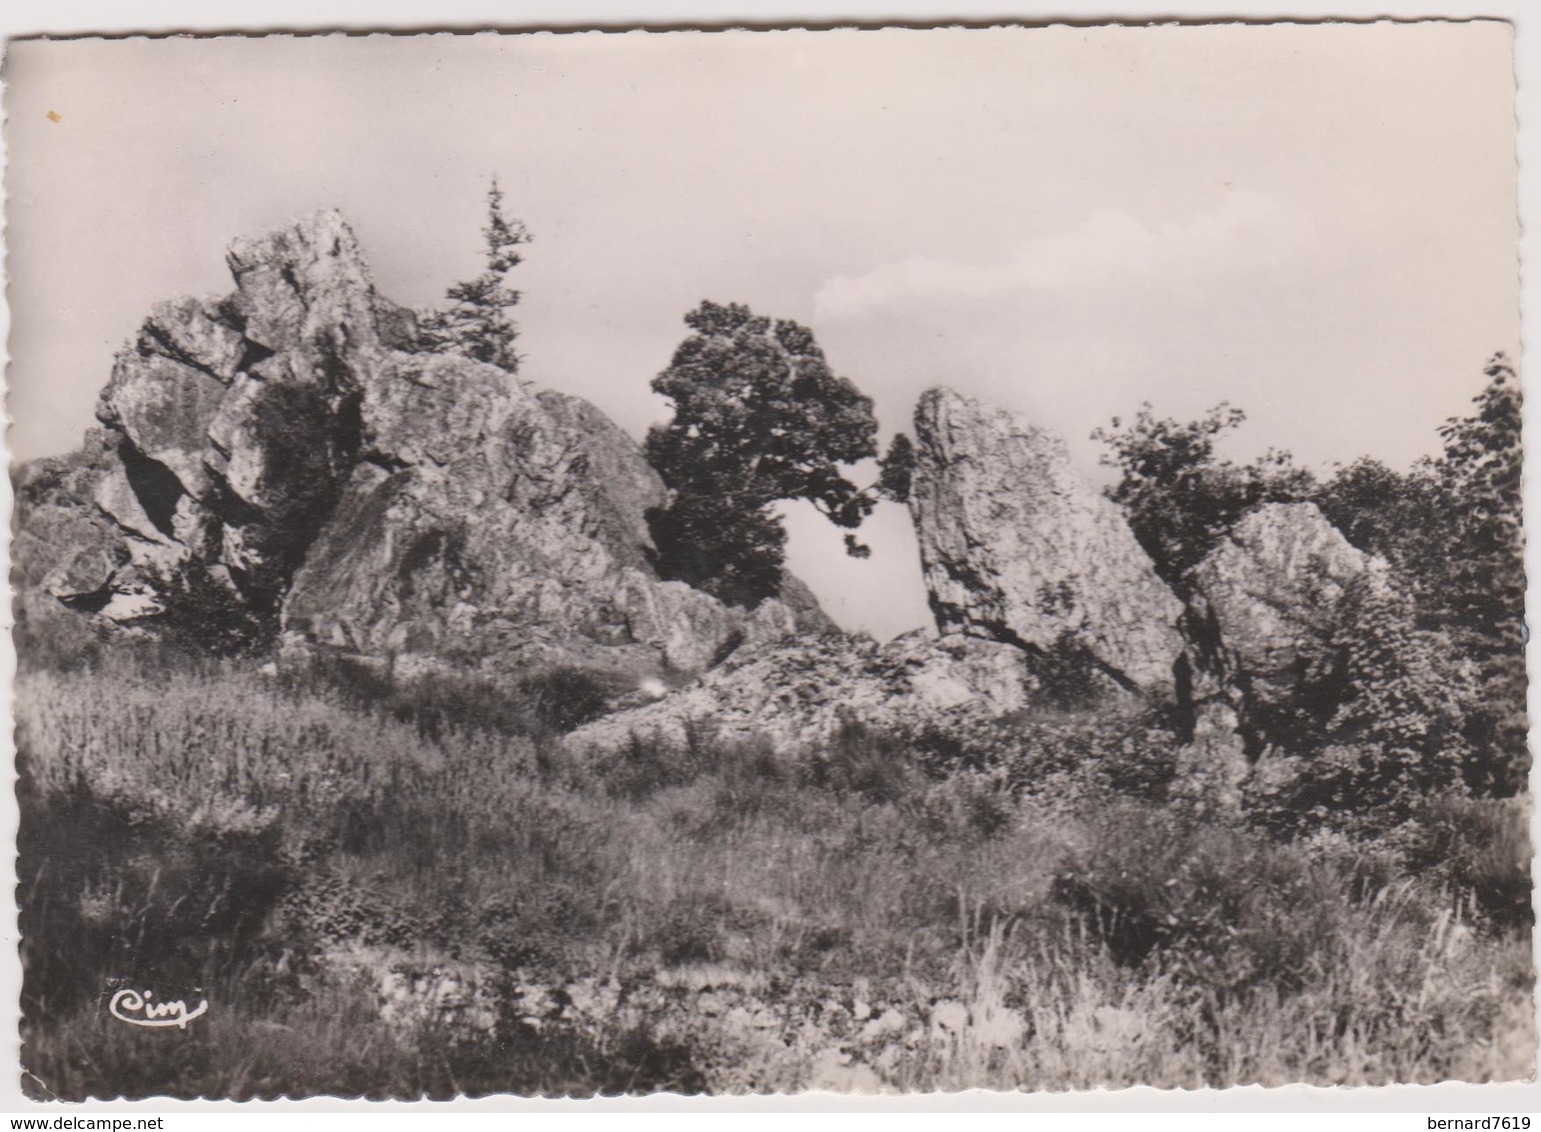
[(393, 906)]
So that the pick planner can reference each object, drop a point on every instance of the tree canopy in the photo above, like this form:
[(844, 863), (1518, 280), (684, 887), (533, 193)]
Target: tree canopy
[(759, 417), (1179, 496), (1428, 676)]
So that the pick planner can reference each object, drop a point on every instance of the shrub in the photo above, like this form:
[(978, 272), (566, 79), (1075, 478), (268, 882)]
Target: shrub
[(859, 761), (565, 698), (1222, 911), (648, 764), (440, 704), (1481, 848), (1062, 758), (1181, 499)]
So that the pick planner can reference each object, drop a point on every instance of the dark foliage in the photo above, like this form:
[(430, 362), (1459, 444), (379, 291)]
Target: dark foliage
[(1484, 567), (1180, 498), (1393, 514), (759, 417), (1478, 846), (736, 555), (204, 614), (441, 705), (477, 324), (898, 469)]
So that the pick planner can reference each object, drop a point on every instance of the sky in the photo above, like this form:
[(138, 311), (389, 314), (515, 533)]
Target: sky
[(1316, 223)]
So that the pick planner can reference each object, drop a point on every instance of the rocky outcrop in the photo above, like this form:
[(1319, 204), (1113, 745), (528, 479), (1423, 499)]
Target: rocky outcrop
[(285, 450), (1017, 546), (1266, 606), (237, 420), (798, 695), (65, 555)]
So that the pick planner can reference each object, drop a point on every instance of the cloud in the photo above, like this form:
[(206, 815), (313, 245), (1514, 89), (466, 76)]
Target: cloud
[(1107, 248)]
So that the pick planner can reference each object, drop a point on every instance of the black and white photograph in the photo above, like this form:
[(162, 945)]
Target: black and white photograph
[(884, 560)]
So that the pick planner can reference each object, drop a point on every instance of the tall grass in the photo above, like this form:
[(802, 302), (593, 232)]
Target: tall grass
[(381, 895)]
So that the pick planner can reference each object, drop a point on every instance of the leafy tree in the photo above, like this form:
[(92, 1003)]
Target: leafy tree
[(477, 323), (1480, 474), (1483, 573), (758, 417), (1451, 529), (1393, 514), (733, 552), (1181, 499), (898, 469), (1377, 724)]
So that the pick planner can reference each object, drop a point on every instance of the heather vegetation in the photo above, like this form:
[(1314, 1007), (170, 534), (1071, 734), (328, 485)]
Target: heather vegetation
[(393, 893)]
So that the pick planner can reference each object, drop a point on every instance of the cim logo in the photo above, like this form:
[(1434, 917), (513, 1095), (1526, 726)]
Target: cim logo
[(137, 1009)]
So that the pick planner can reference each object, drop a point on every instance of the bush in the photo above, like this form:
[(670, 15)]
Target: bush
[(441, 704), (649, 764), (565, 698), (1218, 909), (1059, 758), (858, 761), (1481, 848)]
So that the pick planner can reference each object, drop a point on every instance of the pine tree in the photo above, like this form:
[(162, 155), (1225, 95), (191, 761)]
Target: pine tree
[(477, 323)]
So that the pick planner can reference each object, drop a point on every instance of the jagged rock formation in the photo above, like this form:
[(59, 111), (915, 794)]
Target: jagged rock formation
[(284, 452), (237, 420), (1267, 604), (1023, 558), (64, 553), (287, 454), (1016, 546), (797, 695)]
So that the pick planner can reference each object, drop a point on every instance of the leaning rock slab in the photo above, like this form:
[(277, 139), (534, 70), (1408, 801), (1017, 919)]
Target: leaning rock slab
[(1017, 546)]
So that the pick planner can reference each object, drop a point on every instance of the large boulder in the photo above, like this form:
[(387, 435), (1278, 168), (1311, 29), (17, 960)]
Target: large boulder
[(797, 695), (1017, 546), (284, 451), (481, 526), (1267, 605), (236, 420)]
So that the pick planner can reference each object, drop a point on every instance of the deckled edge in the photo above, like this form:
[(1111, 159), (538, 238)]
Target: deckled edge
[(1141, 1098)]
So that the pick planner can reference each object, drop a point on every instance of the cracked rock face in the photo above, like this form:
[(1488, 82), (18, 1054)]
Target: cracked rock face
[(1267, 603), (284, 447), (236, 420), (1017, 546), (65, 555), (798, 695)]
